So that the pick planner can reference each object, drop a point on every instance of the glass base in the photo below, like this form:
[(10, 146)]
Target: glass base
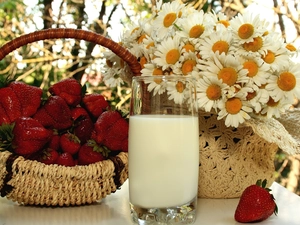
[(184, 214)]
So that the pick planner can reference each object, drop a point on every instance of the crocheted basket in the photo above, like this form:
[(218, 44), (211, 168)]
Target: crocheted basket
[(33, 183), (231, 159)]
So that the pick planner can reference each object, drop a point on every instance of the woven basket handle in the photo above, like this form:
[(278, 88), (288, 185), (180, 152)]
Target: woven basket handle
[(56, 33)]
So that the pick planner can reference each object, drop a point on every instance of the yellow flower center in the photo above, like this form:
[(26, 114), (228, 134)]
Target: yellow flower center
[(189, 47), (228, 75), (141, 38), (253, 46), (143, 61), (157, 72), (224, 22), (169, 19), (213, 92), (196, 31), (134, 30), (286, 81), (246, 31), (172, 56), (188, 66), (269, 57), (150, 45), (180, 14), (252, 68), (291, 47), (221, 46), (180, 87), (265, 33), (233, 105), (272, 103)]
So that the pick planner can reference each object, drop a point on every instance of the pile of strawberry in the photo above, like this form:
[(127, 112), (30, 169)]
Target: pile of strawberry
[(68, 128)]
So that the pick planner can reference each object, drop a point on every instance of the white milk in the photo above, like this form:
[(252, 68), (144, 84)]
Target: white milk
[(163, 160)]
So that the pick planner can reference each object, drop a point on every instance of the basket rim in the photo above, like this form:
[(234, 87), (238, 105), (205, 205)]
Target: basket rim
[(73, 33)]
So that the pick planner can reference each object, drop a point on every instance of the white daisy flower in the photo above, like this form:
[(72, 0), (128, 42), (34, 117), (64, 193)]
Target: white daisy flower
[(256, 97), (209, 92), (292, 50), (242, 69), (187, 65), (235, 111), (285, 83), (220, 41), (168, 52), (196, 25), (246, 27), (157, 86), (166, 18), (112, 78), (220, 18), (258, 71), (275, 108), (226, 68), (177, 91), (276, 54)]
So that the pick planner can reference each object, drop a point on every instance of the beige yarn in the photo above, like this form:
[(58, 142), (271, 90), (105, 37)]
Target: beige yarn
[(34, 183), (231, 158)]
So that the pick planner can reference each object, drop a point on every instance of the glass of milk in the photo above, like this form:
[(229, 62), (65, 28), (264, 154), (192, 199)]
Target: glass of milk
[(163, 150)]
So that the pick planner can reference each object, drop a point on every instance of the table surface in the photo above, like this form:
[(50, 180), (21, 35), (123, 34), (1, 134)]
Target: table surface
[(114, 210)]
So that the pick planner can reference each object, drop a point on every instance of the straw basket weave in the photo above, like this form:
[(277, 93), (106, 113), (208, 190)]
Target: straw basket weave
[(231, 158), (33, 183)]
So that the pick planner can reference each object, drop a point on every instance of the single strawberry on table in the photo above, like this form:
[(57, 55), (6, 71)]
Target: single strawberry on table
[(256, 204), (69, 89)]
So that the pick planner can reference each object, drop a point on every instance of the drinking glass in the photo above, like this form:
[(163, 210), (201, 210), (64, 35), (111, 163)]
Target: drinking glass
[(163, 150)]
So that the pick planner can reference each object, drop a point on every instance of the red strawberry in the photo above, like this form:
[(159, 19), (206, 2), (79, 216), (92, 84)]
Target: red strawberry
[(78, 112), (256, 204), (29, 97), (69, 89), (48, 156), (103, 123), (10, 107), (83, 124), (69, 143), (29, 136), (54, 141), (54, 114), (65, 159), (117, 135), (95, 104), (90, 153)]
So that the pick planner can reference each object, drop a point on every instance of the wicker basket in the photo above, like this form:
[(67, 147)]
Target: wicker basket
[(231, 158), (33, 183)]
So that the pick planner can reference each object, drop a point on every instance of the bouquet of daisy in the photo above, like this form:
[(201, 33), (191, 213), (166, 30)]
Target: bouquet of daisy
[(243, 70)]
